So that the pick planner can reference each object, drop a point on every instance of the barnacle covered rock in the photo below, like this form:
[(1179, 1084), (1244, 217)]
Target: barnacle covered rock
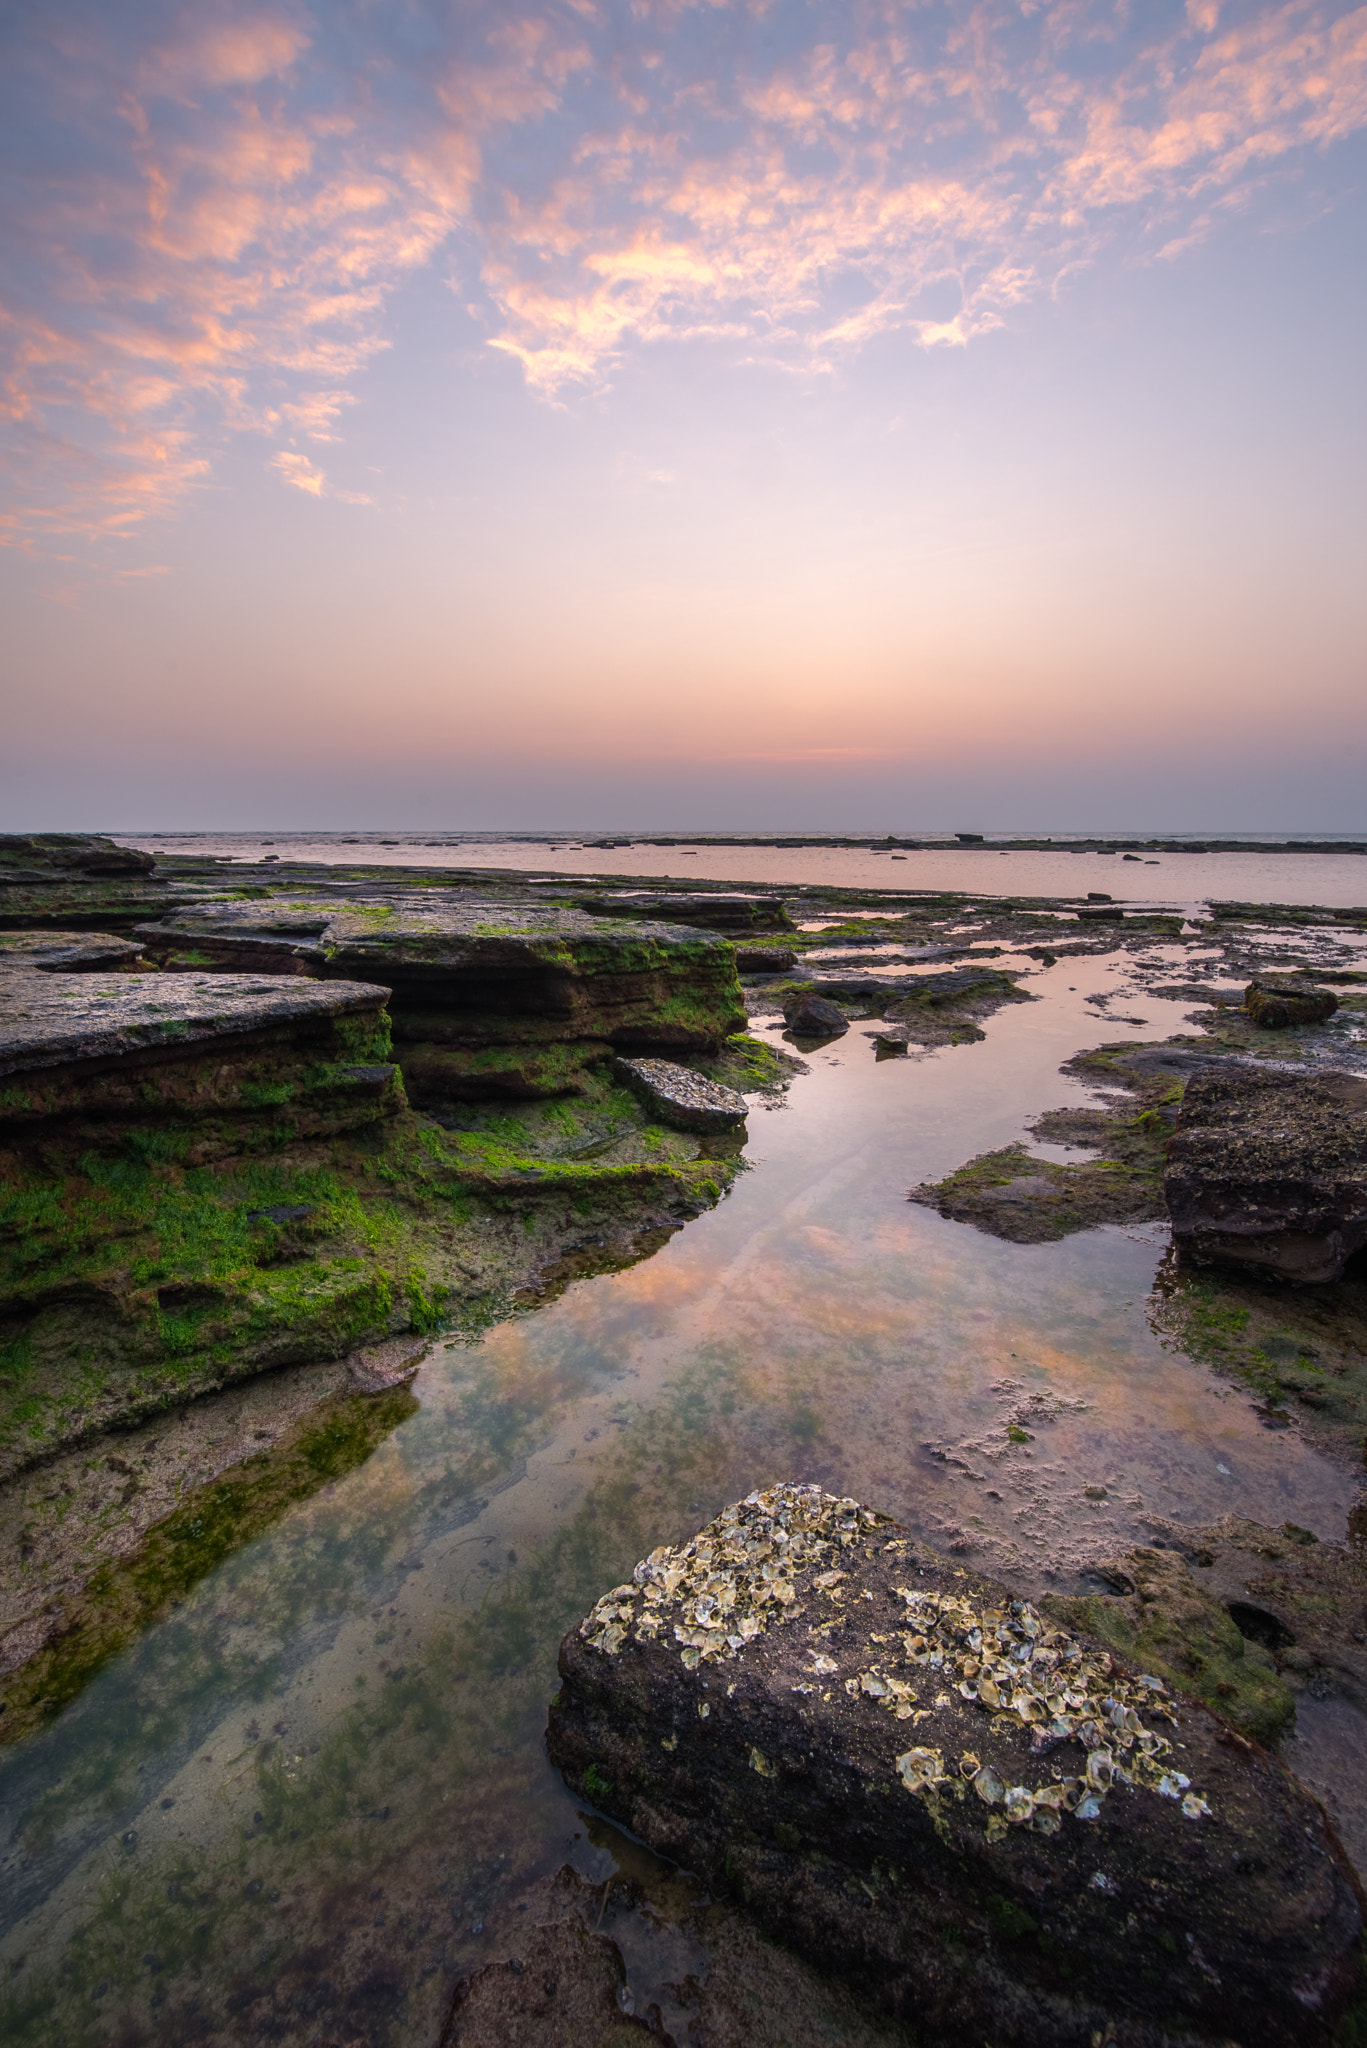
[(904, 1769)]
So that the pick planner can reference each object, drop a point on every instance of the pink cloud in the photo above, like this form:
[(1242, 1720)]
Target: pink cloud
[(221, 254)]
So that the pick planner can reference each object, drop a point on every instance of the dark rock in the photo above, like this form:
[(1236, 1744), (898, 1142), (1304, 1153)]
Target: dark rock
[(764, 959), (1110, 911), (969, 838), (678, 1096), (1275, 1005), (1267, 1168), (560, 1990), (1099, 896), (811, 1016), (59, 856), (718, 911), (1025, 1840)]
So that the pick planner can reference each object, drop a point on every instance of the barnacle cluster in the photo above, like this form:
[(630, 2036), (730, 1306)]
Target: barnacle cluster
[(735, 1576), (1012, 1665), (724, 1587)]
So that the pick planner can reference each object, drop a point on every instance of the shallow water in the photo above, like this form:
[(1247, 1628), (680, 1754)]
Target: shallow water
[(316, 1792), (1181, 880)]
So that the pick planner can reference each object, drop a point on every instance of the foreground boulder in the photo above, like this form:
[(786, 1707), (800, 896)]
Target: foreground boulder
[(487, 997), (1267, 1169), (1002, 1830)]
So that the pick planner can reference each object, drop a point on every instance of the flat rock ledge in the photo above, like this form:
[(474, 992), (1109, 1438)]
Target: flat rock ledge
[(53, 1019), (678, 1096), (68, 953), (1267, 1169), (717, 910), (999, 1829)]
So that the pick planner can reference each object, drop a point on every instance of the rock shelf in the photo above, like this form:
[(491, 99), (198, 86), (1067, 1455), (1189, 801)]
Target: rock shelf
[(1000, 1828), (53, 1019), (718, 910), (488, 997)]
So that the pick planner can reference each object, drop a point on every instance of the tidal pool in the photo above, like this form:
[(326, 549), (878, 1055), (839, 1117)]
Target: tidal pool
[(315, 1792)]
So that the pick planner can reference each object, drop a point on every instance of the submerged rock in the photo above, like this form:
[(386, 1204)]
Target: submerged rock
[(998, 1827), (678, 1096), (562, 1988), (1275, 1005), (1267, 1168)]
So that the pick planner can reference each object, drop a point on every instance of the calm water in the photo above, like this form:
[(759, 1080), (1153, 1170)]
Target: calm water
[(1185, 880), (316, 1792)]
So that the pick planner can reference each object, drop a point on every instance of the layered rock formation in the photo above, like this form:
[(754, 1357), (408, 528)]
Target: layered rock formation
[(488, 997), (1003, 1830), (77, 879), (1267, 1169)]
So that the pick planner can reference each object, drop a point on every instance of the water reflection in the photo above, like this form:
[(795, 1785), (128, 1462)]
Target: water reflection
[(316, 1791)]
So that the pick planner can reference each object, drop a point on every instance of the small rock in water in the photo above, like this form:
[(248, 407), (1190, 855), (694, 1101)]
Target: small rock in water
[(815, 1017), (1275, 1005), (678, 1096), (914, 1776), (382, 1366)]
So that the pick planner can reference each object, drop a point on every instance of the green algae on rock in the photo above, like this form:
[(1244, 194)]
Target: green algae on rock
[(1152, 1895), (1276, 1004), (469, 975), (1169, 1623)]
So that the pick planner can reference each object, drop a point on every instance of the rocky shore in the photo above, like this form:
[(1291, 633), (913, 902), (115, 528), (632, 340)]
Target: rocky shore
[(257, 1135)]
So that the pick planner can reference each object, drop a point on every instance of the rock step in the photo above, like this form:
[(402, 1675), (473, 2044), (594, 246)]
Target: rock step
[(678, 1096)]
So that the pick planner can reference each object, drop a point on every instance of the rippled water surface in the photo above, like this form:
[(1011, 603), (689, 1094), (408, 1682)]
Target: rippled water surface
[(316, 1792)]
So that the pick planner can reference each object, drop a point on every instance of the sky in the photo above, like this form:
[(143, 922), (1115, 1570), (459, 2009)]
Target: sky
[(683, 414)]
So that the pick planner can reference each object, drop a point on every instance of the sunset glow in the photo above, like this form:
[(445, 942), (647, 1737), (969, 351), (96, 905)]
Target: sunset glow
[(684, 412)]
